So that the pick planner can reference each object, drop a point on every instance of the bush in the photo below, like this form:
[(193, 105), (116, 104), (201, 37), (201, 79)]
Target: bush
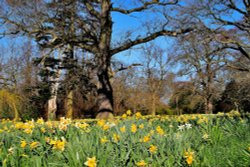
[(10, 104)]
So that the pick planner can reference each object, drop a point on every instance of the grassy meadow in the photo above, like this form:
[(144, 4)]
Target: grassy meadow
[(130, 140)]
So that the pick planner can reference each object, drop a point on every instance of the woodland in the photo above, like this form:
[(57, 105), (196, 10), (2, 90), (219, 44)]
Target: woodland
[(100, 58)]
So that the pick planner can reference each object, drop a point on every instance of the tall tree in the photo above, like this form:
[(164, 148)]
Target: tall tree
[(202, 59), (156, 69), (230, 19), (94, 31)]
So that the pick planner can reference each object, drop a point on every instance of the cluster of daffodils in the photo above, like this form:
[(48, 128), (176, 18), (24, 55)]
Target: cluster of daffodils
[(141, 163), (128, 114), (81, 125), (105, 125), (153, 149), (91, 162), (57, 144), (116, 137), (189, 157), (64, 123), (32, 145), (133, 128), (146, 138), (26, 127), (160, 131)]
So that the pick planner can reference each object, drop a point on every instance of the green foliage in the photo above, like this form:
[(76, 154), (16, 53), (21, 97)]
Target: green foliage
[(9, 104), (13, 106), (236, 96), (29, 111), (184, 101), (164, 111)]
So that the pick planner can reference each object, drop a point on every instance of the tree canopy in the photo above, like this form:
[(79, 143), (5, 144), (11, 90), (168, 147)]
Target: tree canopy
[(77, 41)]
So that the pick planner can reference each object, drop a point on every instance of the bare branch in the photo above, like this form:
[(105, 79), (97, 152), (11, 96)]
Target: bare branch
[(84, 46), (149, 38), (241, 25), (234, 7), (238, 68), (246, 3), (227, 22), (91, 9), (241, 50), (145, 6), (13, 23), (128, 67), (8, 33)]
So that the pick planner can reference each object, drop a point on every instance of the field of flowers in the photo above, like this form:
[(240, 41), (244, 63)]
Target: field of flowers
[(131, 140)]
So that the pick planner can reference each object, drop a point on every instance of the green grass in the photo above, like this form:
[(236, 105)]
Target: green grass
[(227, 144)]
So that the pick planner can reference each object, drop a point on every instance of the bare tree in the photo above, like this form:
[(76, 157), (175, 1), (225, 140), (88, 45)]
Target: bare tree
[(202, 59), (230, 19), (156, 69), (11, 68)]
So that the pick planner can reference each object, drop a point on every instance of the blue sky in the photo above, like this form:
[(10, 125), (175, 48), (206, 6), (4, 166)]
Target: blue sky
[(134, 22), (123, 23)]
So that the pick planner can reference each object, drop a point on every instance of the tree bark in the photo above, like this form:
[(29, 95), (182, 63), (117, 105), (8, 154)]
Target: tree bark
[(105, 95), (69, 55), (51, 104), (105, 91), (69, 105), (209, 94), (208, 106), (153, 112)]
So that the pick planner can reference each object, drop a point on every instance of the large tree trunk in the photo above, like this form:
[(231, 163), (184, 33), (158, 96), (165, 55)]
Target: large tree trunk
[(69, 56), (105, 95), (105, 92), (51, 104)]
